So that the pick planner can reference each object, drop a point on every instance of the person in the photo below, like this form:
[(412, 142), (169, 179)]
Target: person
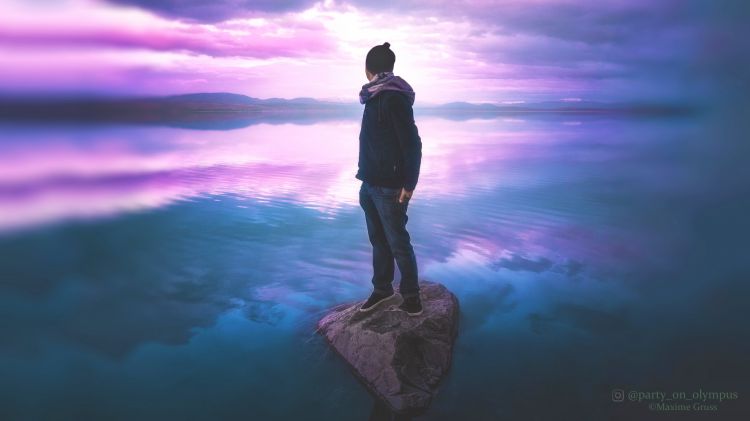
[(390, 155)]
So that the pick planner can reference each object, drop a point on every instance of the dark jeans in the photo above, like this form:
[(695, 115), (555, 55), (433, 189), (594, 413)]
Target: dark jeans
[(386, 226)]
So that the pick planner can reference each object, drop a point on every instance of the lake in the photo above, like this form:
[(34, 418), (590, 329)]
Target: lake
[(152, 272)]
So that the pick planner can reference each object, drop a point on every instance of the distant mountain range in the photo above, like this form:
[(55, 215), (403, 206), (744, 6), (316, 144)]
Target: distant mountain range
[(566, 107), (216, 100), (228, 110), (230, 99)]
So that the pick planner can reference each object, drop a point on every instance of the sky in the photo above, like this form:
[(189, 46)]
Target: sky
[(448, 50)]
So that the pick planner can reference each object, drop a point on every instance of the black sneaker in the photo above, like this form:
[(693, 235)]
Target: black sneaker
[(412, 306), (375, 299)]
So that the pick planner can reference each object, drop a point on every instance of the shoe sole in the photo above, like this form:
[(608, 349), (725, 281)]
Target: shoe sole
[(365, 310), (414, 314)]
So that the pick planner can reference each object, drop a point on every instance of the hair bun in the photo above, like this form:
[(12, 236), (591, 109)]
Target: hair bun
[(386, 44)]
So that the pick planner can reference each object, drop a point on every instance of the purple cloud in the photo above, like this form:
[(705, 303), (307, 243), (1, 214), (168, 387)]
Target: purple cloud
[(597, 50), (215, 10), (305, 39)]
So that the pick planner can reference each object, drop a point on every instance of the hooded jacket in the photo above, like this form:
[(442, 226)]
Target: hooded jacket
[(390, 148)]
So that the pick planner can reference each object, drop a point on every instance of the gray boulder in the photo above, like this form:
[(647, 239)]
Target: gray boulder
[(401, 359)]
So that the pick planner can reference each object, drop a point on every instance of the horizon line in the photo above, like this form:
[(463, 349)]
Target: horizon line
[(72, 95)]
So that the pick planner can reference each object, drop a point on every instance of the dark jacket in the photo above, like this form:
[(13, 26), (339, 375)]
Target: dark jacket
[(390, 148)]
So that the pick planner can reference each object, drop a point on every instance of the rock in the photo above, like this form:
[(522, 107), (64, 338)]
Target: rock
[(400, 358)]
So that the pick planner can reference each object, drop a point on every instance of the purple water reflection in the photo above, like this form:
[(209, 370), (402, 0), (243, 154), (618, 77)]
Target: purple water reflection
[(52, 175)]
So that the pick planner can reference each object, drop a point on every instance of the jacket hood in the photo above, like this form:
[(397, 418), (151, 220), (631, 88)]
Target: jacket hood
[(386, 81)]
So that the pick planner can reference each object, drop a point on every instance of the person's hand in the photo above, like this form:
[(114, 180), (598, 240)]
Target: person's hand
[(405, 195)]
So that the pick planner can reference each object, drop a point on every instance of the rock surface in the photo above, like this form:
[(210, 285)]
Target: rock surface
[(400, 358)]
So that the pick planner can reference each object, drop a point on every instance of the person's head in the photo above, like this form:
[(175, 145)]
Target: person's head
[(380, 58)]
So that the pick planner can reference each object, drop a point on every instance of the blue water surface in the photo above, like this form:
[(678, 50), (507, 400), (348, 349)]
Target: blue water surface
[(152, 273)]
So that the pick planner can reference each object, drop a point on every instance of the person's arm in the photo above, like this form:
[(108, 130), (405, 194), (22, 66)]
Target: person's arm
[(402, 115)]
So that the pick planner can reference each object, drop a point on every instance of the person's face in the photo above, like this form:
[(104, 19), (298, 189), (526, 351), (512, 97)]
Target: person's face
[(369, 75)]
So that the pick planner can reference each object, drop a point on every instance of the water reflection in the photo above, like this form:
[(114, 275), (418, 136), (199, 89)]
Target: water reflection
[(167, 273), (56, 173)]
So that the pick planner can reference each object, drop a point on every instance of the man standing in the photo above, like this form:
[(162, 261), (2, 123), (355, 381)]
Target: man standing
[(390, 154)]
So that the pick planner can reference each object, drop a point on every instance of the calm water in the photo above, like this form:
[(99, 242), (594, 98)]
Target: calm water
[(163, 273)]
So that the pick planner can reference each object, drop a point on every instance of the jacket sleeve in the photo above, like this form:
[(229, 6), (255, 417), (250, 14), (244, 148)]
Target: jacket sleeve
[(402, 115)]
